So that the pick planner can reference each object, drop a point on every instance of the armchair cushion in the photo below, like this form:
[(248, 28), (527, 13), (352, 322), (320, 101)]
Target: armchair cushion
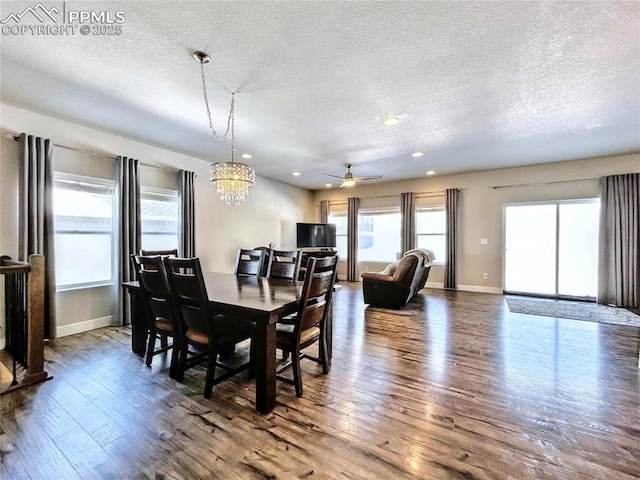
[(390, 269)]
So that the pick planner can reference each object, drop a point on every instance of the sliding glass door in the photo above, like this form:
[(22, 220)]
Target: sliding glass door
[(551, 248)]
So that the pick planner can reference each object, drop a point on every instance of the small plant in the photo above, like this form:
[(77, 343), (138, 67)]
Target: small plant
[(272, 245)]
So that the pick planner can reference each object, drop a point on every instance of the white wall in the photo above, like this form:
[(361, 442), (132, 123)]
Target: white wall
[(481, 207), (268, 215)]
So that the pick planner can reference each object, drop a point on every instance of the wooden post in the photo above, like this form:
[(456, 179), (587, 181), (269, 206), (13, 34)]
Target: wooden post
[(35, 328)]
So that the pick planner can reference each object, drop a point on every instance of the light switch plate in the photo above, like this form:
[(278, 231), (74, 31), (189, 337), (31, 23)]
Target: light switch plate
[(484, 241)]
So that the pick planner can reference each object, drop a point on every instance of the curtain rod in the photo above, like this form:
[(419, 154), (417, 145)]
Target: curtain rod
[(498, 187), (95, 154), (434, 193)]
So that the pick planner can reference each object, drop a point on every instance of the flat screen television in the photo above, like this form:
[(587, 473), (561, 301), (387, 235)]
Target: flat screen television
[(316, 235)]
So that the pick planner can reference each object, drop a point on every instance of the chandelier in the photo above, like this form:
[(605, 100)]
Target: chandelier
[(231, 179)]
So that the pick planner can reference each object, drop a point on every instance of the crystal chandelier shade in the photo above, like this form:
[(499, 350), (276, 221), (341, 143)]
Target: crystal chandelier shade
[(232, 180)]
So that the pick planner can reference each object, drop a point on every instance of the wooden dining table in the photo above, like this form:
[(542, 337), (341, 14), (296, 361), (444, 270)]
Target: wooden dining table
[(262, 300)]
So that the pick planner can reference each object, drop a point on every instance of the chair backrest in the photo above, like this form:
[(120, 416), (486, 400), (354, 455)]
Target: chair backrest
[(407, 268), (154, 286), (189, 292), (148, 253), (267, 251), (284, 264), (163, 253), (249, 262), (316, 292)]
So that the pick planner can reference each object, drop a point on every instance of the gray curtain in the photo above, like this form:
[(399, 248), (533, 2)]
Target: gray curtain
[(187, 214), (36, 216), (128, 185), (352, 239), (619, 255), (324, 211), (408, 214), (451, 210)]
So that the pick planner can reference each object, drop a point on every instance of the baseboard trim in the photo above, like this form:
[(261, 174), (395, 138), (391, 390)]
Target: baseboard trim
[(480, 289), (467, 288), (72, 329)]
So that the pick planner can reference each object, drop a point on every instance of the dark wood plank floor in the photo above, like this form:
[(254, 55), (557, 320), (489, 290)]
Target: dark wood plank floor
[(453, 387)]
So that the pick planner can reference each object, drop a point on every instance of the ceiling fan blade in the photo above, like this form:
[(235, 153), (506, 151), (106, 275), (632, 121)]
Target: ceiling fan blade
[(360, 179), (334, 176)]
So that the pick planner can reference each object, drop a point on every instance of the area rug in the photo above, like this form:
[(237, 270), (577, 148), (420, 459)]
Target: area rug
[(5, 377), (590, 312)]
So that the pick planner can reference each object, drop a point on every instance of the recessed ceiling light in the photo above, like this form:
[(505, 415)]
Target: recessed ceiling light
[(296, 174), (417, 154), (431, 172), (246, 155), (328, 185), (391, 121)]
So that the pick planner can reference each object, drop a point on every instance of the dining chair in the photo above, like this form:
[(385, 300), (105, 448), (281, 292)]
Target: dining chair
[(249, 262), (284, 264), (309, 324), (201, 327), (159, 305)]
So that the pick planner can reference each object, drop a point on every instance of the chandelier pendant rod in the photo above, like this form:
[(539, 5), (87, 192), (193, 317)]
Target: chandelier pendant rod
[(203, 60), (232, 180)]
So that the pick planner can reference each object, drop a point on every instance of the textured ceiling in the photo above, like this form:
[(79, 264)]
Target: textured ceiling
[(477, 85)]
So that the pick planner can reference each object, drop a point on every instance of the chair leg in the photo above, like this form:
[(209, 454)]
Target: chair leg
[(295, 366), (163, 341), (252, 362), (322, 350), (151, 346), (175, 355), (211, 372), (182, 359)]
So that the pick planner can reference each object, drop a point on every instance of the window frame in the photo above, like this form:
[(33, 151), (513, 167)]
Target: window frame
[(88, 184), (432, 208), (156, 193), (331, 219), (376, 212)]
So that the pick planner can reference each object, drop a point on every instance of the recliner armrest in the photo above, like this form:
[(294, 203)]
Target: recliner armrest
[(378, 277)]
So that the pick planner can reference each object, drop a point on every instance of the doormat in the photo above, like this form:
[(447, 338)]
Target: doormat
[(590, 312)]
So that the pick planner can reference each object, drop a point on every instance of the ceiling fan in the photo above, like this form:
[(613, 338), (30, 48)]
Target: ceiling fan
[(348, 180)]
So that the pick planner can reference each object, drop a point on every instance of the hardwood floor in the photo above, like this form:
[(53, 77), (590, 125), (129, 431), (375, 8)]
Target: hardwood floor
[(452, 387)]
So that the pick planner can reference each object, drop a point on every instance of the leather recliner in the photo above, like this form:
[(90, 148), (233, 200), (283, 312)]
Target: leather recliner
[(395, 290)]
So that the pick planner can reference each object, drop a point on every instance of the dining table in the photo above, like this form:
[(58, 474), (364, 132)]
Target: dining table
[(259, 299)]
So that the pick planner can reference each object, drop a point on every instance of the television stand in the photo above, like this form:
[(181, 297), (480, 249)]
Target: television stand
[(318, 252)]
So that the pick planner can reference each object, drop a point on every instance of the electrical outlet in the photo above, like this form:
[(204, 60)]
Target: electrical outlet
[(485, 276), (484, 241)]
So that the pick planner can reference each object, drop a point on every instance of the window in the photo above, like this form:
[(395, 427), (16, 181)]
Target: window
[(83, 221), (431, 225), (340, 219), (550, 248), (379, 234), (159, 218)]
